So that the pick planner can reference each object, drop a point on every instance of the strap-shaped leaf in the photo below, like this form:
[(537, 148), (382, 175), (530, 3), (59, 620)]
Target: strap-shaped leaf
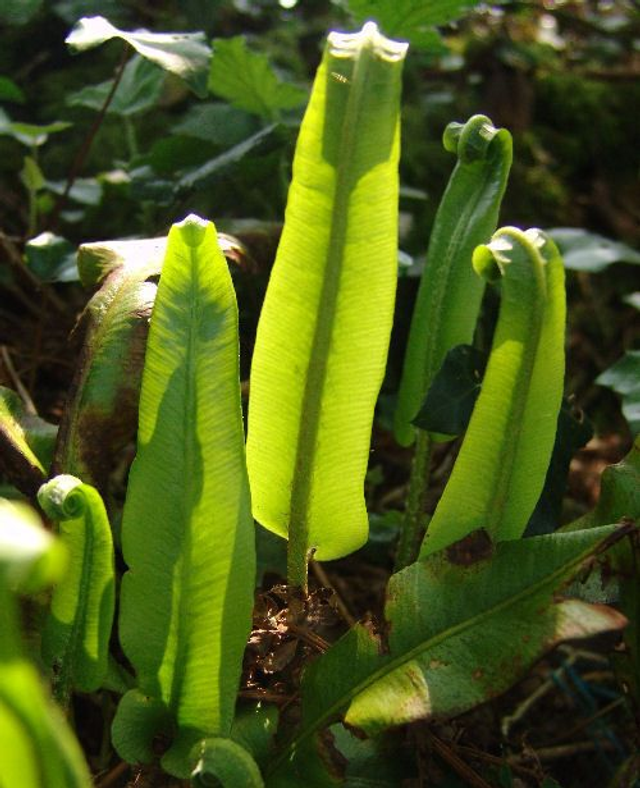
[(449, 295), (501, 468), (437, 654), (26, 443), (187, 532), (324, 328), (75, 640)]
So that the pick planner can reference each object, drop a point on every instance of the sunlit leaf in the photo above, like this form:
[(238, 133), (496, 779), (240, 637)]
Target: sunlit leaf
[(590, 252), (52, 258), (187, 532), (248, 81), (185, 54), (321, 346)]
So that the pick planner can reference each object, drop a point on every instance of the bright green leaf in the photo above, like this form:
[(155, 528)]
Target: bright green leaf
[(223, 761), (436, 654), (185, 54), (500, 470), (187, 532), (324, 328), (31, 175), (28, 133), (75, 639), (139, 89), (247, 80)]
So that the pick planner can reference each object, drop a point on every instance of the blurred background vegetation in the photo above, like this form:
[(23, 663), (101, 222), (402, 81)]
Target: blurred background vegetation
[(561, 76)]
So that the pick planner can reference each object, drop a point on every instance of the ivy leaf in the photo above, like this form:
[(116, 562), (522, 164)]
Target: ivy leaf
[(412, 20), (248, 81), (185, 54), (139, 89), (30, 134), (624, 378), (449, 402)]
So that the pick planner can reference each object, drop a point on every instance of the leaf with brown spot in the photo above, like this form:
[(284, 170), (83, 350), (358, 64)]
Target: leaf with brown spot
[(458, 636)]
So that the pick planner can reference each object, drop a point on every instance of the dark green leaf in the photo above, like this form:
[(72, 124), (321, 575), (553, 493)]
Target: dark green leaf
[(624, 378), (247, 80), (217, 123), (52, 258), (9, 91), (585, 251), (574, 431), (138, 90), (185, 54), (453, 393), (18, 12)]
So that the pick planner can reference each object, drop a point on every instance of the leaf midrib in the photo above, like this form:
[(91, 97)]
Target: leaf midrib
[(326, 310)]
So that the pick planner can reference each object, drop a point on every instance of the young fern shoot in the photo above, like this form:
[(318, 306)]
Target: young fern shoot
[(502, 464)]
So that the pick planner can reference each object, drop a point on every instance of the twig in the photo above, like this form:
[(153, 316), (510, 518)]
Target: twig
[(562, 751), (117, 771), (586, 722), (496, 760), (464, 771), (89, 139), (323, 579), (15, 379)]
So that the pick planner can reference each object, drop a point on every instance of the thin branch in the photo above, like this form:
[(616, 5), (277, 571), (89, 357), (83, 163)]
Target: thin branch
[(89, 139), (17, 382)]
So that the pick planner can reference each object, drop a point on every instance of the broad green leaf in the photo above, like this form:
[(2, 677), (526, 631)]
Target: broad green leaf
[(248, 81), (187, 532), (502, 465), (75, 639), (324, 328), (224, 762), (102, 410), (413, 20), (185, 54), (624, 378), (449, 296), (51, 258), (590, 252), (437, 654), (138, 90), (26, 443)]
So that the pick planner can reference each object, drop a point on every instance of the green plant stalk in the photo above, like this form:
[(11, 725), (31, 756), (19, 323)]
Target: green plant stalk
[(75, 640), (324, 329), (449, 295), (500, 471), (414, 525)]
